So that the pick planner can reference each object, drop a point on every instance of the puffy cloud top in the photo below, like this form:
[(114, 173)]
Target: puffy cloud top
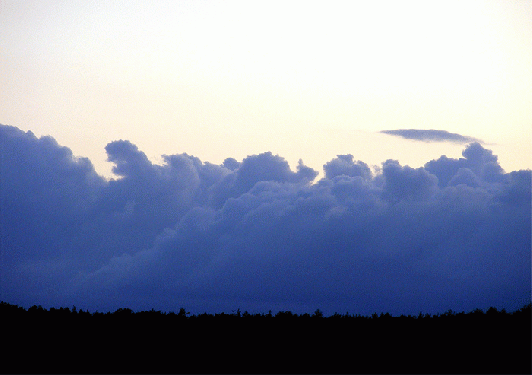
[(344, 165), (255, 235), (407, 183), (476, 158)]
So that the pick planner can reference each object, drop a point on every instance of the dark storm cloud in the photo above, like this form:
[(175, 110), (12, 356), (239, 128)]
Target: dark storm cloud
[(430, 135), (256, 235)]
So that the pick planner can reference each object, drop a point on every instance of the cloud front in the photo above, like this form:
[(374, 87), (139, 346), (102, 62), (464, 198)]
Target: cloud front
[(255, 235)]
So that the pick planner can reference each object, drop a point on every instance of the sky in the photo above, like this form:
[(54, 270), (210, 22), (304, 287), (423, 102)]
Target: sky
[(361, 156), (305, 80)]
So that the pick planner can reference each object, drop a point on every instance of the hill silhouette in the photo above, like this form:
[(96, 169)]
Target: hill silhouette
[(68, 340)]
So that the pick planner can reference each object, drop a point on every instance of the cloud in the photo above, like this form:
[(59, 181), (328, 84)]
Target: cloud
[(407, 183), (480, 161), (255, 235), (431, 135), (344, 165)]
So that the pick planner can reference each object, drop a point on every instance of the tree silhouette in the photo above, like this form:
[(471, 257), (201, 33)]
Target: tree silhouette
[(476, 342)]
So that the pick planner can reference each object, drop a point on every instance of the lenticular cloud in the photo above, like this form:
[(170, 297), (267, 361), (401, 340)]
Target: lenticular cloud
[(255, 235)]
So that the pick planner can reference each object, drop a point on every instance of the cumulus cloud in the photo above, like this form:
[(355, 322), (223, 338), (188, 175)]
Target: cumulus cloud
[(431, 135), (344, 165), (255, 235), (480, 161)]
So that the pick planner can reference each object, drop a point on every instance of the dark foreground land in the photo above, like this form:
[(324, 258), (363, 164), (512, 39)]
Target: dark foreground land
[(37, 340)]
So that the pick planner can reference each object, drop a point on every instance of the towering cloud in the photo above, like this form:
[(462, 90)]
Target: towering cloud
[(477, 160), (255, 235)]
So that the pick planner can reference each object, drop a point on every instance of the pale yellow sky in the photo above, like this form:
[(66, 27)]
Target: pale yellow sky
[(302, 79)]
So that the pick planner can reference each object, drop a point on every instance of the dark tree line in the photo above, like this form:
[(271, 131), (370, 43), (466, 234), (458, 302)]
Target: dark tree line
[(68, 340), (14, 311)]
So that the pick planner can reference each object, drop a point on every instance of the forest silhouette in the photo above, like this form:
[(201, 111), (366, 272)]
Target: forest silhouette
[(68, 340)]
